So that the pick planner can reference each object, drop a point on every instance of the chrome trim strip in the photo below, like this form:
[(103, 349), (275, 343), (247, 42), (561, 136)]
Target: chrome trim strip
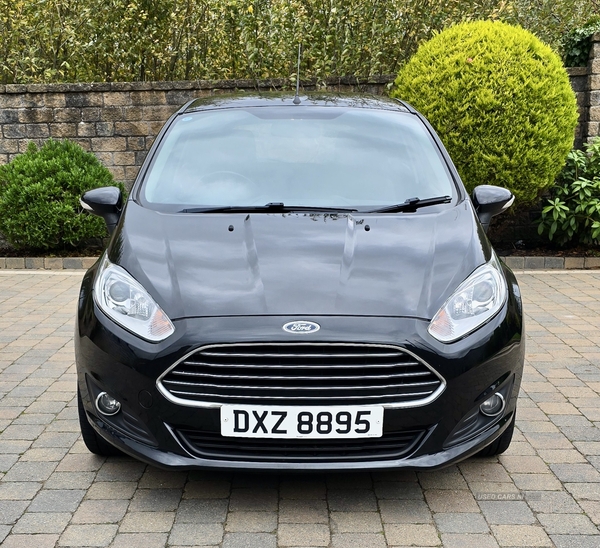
[(207, 405)]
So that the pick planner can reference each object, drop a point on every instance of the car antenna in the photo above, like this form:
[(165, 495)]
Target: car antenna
[(297, 98)]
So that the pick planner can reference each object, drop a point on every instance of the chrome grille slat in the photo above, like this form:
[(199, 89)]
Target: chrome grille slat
[(315, 373), (332, 387), (303, 378)]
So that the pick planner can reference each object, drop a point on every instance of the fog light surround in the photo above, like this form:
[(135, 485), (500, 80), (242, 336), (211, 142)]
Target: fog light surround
[(107, 405), (493, 406)]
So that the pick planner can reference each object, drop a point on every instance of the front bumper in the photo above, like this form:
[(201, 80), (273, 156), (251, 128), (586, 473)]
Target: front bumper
[(111, 359)]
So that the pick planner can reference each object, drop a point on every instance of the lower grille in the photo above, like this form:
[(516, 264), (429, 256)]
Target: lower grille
[(213, 446), (301, 374)]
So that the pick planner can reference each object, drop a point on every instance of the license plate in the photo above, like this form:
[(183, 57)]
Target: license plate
[(326, 422)]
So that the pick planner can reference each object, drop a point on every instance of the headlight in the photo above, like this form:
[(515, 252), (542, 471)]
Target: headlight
[(477, 300), (127, 303)]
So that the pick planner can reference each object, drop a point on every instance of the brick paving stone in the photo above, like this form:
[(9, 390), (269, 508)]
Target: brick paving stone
[(100, 511), (25, 541), (139, 540), (549, 502), (521, 535), (398, 490), (462, 540), (507, 512), (358, 540), (218, 489), (156, 500), (251, 522), (307, 489), (460, 523), (11, 511), (575, 541), (356, 522), (411, 535), (303, 511), (576, 473), (351, 500), (202, 511), (253, 499), (147, 522), (405, 511), (294, 534), (88, 535), (451, 501), (249, 540), (567, 524), (42, 523), (196, 534), (56, 500)]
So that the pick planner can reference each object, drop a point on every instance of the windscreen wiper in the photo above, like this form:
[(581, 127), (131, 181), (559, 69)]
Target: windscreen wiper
[(271, 207), (412, 204)]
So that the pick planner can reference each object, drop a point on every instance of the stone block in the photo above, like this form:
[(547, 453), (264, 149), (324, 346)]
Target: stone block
[(141, 86), (124, 158), (4, 159), (574, 262), (90, 114), (72, 263), (111, 114), (13, 131), (132, 128), (54, 100), (15, 262), (159, 113), (117, 98), (118, 172), (34, 262), (579, 83), (105, 129), (84, 143), (9, 146), (133, 114), (136, 143), (595, 97), (131, 173), (67, 115), (83, 99), (35, 115), (109, 144), (2, 263), (592, 262), (515, 263), (86, 129), (595, 113), (53, 263), (554, 262), (88, 262), (155, 127), (180, 97), (140, 156), (37, 131), (150, 97), (63, 130), (9, 116), (534, 263)]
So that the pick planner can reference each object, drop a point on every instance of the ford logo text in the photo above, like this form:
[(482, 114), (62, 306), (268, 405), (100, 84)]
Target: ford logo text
[(301, 327)]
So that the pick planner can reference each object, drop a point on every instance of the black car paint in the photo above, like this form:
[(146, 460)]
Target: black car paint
[(381, 285)]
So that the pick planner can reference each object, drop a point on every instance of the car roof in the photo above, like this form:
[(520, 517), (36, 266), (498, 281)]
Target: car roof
[(277, 99)]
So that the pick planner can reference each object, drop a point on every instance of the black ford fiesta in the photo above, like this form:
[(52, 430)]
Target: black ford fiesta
[(302, 284)]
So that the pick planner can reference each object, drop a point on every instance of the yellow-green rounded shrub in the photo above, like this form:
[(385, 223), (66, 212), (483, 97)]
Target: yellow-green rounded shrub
[(501, 101)]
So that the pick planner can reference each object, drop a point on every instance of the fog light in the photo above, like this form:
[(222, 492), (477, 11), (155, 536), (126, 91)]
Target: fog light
[(107, 405), (493, 406)]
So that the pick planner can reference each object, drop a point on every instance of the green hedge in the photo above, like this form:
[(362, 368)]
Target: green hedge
[(130, 40), (501, 102), (39, 196)]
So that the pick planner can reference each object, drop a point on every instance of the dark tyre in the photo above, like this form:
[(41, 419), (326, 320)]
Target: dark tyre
[(499, 445), (95, 443)]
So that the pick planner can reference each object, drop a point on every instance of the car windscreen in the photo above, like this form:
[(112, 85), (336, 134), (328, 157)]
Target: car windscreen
[(297, 156)]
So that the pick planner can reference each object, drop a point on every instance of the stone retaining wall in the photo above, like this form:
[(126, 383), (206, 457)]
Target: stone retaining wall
[(119, 121)]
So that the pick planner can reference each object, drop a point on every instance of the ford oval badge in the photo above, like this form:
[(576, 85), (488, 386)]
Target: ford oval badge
[(301, 327)]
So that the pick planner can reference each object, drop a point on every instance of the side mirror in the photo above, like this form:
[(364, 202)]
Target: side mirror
[(106, 202), (490, 201)]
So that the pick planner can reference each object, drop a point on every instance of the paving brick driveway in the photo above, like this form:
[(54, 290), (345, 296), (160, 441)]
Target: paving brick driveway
[(545, 491)]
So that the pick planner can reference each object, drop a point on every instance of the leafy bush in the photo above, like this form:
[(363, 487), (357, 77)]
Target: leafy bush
[(577, 44), (573, 210), (125, 40), (500, 100), (39, 196)]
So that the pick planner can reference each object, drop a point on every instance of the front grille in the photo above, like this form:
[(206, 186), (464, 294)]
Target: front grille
[(301, 374), (213, 446)]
